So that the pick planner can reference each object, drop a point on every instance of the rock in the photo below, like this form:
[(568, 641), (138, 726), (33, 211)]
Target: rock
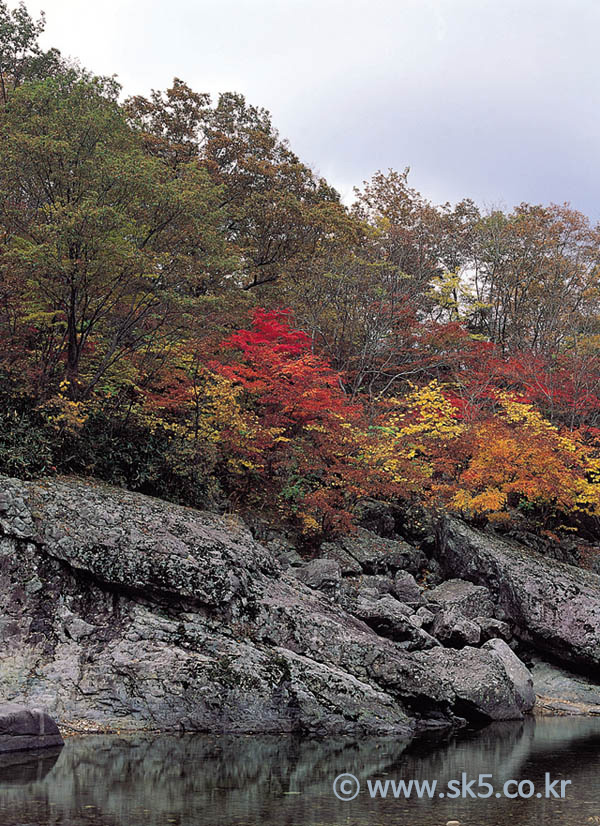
[(406, 589), (432, 574), (26, 728), (517, 671), (320, 630), (364, 587), (284, 552), (328, 697), (471, 600), (453, 629), (388, 599), (493, 628), (559, 689), (414, 522), (426, 616), (374, 554), (377, 517), (77, 628), (375, 584), (349, 566), (392, 619), (153, 615), (321, 575), (479, 678), (564, 550), (126, 540), (552, 605), (349, 590)]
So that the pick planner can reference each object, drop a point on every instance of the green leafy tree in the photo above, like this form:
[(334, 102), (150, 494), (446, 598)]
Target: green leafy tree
[(21, 57), (278, 211), (103, 246)]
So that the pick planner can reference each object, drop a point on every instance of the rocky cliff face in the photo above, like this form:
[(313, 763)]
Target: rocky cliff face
[(122, 611)]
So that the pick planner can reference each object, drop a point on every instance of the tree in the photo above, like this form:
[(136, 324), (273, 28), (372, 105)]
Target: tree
[(308, 450), (103, 241), (21, 57), (406, 233), (534, 274), (277, 210), (172, 123), (19, 35)]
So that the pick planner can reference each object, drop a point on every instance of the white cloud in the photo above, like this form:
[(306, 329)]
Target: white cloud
[(497, 99)]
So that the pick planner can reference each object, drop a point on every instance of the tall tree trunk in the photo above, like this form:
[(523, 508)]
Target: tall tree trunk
[(73, 345)]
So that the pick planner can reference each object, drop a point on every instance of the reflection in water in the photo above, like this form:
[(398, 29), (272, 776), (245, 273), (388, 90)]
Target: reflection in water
[(276, 781), (18, 768)]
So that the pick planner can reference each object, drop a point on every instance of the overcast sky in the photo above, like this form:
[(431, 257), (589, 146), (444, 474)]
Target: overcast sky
[(493, 99)]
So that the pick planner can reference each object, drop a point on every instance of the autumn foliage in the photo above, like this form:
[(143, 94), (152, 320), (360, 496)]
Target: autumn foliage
[(188, 310)]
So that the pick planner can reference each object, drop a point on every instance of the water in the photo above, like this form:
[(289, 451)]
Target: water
[(283, 781)]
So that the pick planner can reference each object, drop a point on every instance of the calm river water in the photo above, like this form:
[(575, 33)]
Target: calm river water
[(281, 781)]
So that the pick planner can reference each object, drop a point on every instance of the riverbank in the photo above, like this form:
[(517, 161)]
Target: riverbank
[(123, 612)]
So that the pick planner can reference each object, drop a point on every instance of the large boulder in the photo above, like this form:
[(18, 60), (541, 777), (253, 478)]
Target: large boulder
[(392, 619), (321, 575), (425, 616), (563, 691), (310, 625), (129, 541), (454, 630), (119, 611), (491, 628), (27, 728), (468, 599), (483, 686), (367, 552), (374, 584), (364, 587), (518, 672), (551, 604), (406, 589)]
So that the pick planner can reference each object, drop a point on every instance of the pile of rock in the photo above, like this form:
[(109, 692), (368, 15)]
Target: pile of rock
[(465, 631), (128, 612), (374, 580)]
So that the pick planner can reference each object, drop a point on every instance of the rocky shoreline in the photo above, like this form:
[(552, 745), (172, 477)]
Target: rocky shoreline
[(122, 612)]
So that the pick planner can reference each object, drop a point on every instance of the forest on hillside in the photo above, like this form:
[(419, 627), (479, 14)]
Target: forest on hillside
[(188, 310)]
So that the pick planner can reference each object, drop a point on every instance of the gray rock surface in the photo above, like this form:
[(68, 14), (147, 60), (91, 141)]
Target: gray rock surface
[(390, 618), (375, 584), (120, 611), (24, 728), (406, 589), (349, 566), (455, 630), (483, 687), (321, 575), (378, 517), (564, 691), (427, 617), (551, 604), (519, 674), (470, 600), (284, 552), (493, 629), (369, 553)]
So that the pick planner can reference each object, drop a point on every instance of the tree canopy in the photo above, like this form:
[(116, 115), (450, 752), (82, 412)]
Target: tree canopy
[(187, 309)]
